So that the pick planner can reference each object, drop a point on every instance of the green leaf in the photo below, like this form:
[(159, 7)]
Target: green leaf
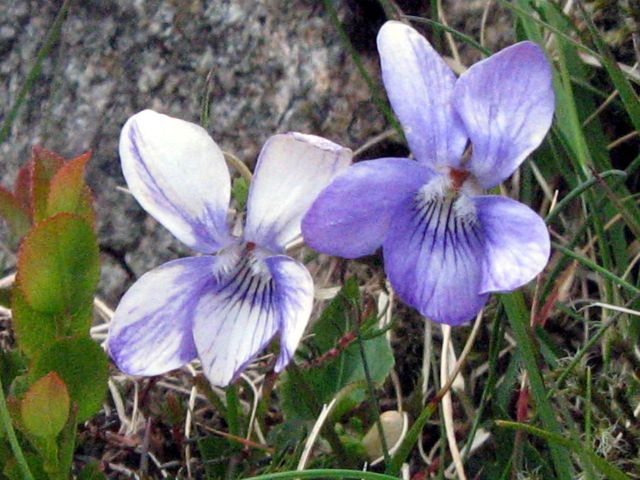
[(240, 191), (68, 191), (45, 407), (83, 367), (13, 472), (35, 331), (44, 165), (16, 216), (58, 264), (334, 375)]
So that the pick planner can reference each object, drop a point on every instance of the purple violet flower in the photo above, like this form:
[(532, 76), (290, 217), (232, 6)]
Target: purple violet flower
[(225, 308), (446, 245)]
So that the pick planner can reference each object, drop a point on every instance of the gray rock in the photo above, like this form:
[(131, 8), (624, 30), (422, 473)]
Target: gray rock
[(270, 66)]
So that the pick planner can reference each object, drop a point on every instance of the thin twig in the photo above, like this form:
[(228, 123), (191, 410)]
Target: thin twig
[(239, 165)]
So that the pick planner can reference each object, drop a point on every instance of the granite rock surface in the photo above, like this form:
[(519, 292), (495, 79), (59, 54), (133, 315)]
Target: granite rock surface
[(267, 66)]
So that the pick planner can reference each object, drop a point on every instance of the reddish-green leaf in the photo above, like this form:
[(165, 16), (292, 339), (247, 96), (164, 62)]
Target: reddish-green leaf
[(14, 214), (83, 367), (45, 406), (68, 192), (44, 165), (58, 264), (22, 186)]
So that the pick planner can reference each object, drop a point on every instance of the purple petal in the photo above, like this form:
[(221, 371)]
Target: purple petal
[(419, 85), (506, 103), (294, 290), (150, 332), (292, 169), (433, 256), (237, 319), (516, 243), (178, 174), (351, 217)]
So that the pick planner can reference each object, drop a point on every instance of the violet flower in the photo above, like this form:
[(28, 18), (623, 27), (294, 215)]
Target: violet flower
[(225, 308), (446, 245)]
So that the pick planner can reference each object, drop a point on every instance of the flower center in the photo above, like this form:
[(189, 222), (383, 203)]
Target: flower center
[(247, 257), (445, 201), (458, 177)]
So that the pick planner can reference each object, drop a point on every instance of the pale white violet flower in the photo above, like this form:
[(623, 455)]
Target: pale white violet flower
[(223, 308)]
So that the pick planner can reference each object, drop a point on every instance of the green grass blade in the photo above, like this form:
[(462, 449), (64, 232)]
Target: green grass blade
[(519, 319), (610, 471), (594, 266), (442, 27), (627, 94), (5, 422), (578, 190), (324, 473), (49, 41)]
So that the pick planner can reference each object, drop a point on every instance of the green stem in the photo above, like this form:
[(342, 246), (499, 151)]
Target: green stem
[(205, 387), (67, 441), (492, 377), (5, 420), (34, 72), (372, 394), (233, 420)]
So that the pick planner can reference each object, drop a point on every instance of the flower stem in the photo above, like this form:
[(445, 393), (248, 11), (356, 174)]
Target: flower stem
[(232, 417), (414, 432), (5, 420), (372, 391)]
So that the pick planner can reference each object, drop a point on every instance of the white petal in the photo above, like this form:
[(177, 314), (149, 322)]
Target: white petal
[(294, 287), (178, 174), (255, 298), (237, 320), (292, 170), (151, 331)]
